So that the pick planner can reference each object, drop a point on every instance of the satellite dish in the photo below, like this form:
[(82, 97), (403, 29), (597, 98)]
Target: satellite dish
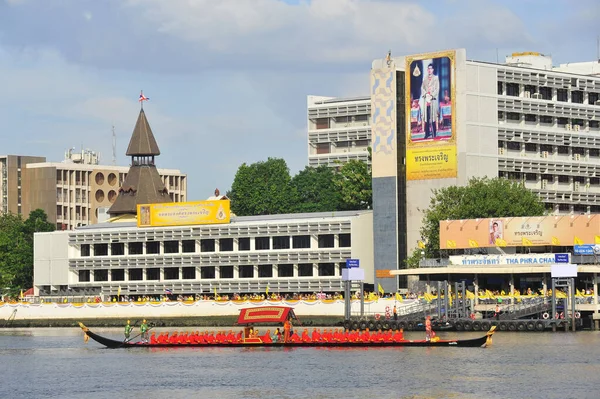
[(596, 249)]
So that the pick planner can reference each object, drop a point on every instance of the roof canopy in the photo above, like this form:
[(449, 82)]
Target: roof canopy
[(265, 314)]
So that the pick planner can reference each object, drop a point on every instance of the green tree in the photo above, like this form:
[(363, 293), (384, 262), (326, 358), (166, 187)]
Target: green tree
[(354, 185), (16, 249), (314, 190), (481, 198), (262, 188)]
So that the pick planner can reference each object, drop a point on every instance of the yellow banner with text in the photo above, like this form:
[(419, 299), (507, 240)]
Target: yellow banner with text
[(184, 213)]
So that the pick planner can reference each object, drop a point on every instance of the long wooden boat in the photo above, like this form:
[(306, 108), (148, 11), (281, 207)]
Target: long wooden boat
[(483, 341)]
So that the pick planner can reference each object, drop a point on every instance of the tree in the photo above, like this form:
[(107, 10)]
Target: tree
[(315, 191), (481, 198), (354, 184), (262, 188), (16, 249)]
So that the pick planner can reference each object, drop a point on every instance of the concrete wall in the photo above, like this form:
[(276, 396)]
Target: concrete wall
[(39, 191), (362, 232), (50, 257)]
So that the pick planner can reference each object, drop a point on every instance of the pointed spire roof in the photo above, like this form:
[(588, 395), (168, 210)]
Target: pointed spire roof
[(142, 140)]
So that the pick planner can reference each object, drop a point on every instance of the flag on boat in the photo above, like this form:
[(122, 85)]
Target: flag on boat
[(143, 97), (380, 289), (168, 291)]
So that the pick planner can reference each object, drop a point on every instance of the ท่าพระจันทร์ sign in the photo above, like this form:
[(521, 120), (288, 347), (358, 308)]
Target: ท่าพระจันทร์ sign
[(184, 213), (565, 230), (431, 116), (510, 260)]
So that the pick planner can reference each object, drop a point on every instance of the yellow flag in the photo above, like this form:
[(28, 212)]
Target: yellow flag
[(216, 295), (502, 293), (596, 239), (578, 293), (380, 289), (489, 294), (449, 299), (21, 295), (421, 244), (473, 244), (577, 241), (119, 291), (470, 295), (526, 242), (399, 297), (555, 241), (500, 242), (451, 244), (267, 291)]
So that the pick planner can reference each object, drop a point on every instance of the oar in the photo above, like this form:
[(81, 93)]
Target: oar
[(134, 324), (131, 339)]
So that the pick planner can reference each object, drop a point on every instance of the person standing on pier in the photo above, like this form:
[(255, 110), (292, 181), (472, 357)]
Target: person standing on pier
[(128, 330)]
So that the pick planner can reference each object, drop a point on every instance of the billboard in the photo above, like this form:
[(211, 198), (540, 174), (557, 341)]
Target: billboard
[(383, 122), (564, 230), (183, 213), (431, 116)]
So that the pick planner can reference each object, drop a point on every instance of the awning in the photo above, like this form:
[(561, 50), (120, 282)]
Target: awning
[(265, 314)]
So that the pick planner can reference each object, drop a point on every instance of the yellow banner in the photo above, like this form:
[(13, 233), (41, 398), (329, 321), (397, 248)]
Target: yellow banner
[(431, 116), (184, 213)]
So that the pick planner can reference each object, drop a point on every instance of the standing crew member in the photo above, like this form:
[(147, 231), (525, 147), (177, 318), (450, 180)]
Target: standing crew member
[(287, 326), (128, 330), (428, 331), (144, 331), (395, 313)]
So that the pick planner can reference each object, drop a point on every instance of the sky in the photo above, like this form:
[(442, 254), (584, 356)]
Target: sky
[(228, 79)]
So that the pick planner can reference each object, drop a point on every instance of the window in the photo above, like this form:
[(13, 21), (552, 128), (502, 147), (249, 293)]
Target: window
[(326, 241), (531, 89), (500, 88), (500, 115), (562, 95), (343, 144), (305, 270), (578, 122), (546, 93), (564, 207), (188, 273), (577, 97), (85, 249), (530, 118), (135, 274), (563, 179), (285, 270), (512, 89), (361, 118), (530, 177), (513, 116), (562, 121), (100, 275), (594, 124), (84, 276), (326, 269), (578, 150), (207, 245), (595, 208), (117, 248), (244, 244), (265, 271), (362, 143), (323, 148), (246, 271), (118, 275), (594, 181), (281, 242), (593, 98), (547, 148), (207, 272), (562, 150), (345, 240), (530, 147), (171, 247), (136, 248), (262, 243), (548, 178), (594, 152), (188, 246), (578, 208), (546, 120), (171, 273), (226, 271), (578, 179), (153, 274), (226, 244), (322, 123), (513, 145), (152, 247), (301, 242), (100, 249)]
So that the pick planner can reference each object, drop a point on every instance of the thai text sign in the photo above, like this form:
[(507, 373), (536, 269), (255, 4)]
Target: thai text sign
[(505, 260), (184, 213), (567, 230), (431, 116)]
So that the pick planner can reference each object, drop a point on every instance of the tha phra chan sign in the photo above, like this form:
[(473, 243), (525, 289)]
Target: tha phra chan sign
[(184, 213)]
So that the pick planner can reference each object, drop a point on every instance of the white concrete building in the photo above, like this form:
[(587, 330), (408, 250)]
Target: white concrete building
[(287, 253), (338, 129)]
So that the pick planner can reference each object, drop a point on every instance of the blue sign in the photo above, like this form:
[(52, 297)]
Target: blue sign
[(583, 249), (352, 263), (561, 258)]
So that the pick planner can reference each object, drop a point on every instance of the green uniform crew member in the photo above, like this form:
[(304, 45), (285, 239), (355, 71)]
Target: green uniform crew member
[(144, 331), (128, 329)]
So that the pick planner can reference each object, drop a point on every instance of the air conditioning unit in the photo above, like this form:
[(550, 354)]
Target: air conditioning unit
[(568, 126), (577, 157), (544, 184), (527, 94), (597, 102), (536, 95), (544, 154), (501, 151), (576, 185)]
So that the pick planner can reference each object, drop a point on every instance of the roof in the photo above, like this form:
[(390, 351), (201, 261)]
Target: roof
[(265, 314), (142, 140), (142, 185)]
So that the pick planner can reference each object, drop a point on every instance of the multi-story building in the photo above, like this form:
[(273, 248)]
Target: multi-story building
[(338, 130), (11, 181), (287, 253)]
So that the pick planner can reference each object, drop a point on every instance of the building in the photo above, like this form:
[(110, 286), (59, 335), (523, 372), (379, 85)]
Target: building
[(338, 130), (11, 181), (286, 253)]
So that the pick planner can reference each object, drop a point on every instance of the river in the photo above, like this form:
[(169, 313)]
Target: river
[(56, 363)]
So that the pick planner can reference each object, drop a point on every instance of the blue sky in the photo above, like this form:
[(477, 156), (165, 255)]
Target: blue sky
[(228, 79)]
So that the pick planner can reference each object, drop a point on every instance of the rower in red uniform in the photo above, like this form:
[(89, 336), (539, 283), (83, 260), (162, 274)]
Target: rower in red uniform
[(295, 338), (305, 336), (266, 338), (153, 339), (365, 336), (174, 338), (316, 335), (399, 335)]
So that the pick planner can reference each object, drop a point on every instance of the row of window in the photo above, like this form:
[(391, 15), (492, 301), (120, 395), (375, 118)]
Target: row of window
[(533, 177), (548, 93), (549, 149), (209, 245), (545, 119), (210, 272)]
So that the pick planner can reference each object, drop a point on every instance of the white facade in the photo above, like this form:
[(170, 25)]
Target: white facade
[(338, 130), (287, 253)]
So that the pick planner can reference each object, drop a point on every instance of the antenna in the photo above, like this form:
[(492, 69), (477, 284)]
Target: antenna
[(598, 47), (114, 146)]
